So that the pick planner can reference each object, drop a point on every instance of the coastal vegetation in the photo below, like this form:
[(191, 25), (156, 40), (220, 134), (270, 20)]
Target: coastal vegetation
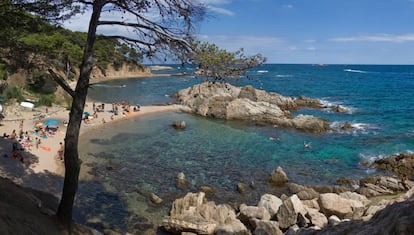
[(30, 45)]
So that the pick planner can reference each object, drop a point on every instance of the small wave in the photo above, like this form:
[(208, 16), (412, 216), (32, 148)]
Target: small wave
[(262, 71), (355, 71), (330, 107), (283, 76), (355, 129), (370, 157)]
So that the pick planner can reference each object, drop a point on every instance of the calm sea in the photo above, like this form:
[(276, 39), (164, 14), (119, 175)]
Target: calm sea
[(133, 158)]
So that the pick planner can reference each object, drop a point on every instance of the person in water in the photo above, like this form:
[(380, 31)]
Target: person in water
[(306, 145)]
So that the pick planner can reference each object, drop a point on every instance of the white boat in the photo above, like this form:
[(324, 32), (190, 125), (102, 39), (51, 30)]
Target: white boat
[(27, 105)]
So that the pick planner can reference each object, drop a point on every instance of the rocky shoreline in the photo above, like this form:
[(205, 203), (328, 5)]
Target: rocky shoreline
[(224, 101), (378, 204), (303, 210)]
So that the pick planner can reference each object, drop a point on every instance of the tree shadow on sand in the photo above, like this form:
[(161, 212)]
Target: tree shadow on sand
[(94, 205)]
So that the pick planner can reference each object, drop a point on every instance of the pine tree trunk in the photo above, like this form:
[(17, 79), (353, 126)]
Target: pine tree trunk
[(71, 155)]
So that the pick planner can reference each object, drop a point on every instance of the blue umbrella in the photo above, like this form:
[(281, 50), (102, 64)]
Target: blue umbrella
[(51, 122)]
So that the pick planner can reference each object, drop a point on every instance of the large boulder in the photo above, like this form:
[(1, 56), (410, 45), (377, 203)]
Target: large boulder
[(278, 177), (247, 214), (267, 227), (245, 109), (315, 217), (193, 213), (344, 208), (290, 212), (303, 101), (303, 192), (397, 218), (271, 203), (310, 123)]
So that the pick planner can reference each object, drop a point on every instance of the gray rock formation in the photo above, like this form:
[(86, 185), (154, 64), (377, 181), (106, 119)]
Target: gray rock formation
[(267, 228), (399, 164), (278, 177), (271, 203), (247, 214), (344, 208), (397, 218), (224, 101), (290, 212), (380, 185), (194, 214), (303, 192)]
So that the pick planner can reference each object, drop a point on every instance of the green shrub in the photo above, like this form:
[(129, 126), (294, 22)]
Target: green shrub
[(3, 72), (46, 100), (13, 92)]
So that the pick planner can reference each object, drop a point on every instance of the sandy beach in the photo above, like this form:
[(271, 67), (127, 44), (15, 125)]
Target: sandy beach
[(42, 159)]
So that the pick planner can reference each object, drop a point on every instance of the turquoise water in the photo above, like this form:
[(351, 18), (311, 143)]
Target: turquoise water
[(146, 153)]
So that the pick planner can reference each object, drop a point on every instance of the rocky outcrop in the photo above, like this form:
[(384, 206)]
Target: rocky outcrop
[(305, 210), (314, 212), (124, 70), (380, 185), (196, 215), (224, 101), (397, 218), (278, 177), (399, 164)]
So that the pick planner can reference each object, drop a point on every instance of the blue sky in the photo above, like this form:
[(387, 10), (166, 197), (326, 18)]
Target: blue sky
[(312, 31)]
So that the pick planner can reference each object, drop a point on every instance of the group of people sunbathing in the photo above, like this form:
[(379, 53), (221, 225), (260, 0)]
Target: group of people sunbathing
[(124, 107), (23, 140)]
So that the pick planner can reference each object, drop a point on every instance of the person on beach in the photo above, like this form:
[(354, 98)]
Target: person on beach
[(60, 151), (37, 142), (404, 182), (13, 135)]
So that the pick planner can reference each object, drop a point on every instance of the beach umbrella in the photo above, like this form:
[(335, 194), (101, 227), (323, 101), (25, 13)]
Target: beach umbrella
[(51, 122)]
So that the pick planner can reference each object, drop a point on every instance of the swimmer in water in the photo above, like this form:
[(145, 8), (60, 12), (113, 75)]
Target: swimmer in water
[(306, 145)]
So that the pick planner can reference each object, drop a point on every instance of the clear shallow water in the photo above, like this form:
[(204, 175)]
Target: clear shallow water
[(145, 154)]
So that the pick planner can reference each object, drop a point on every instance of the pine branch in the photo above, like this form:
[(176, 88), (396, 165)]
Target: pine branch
[(62, 83)]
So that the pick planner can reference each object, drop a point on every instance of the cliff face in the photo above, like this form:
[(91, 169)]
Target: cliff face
[(126, 70), (41, 81)]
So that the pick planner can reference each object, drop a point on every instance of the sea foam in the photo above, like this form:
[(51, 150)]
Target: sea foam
[(355, 71)]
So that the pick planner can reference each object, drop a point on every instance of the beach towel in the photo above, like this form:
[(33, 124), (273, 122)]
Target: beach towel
[(46, 148)]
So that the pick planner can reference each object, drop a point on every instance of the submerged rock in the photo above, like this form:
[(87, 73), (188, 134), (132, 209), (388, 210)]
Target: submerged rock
[(179, 125), (155, 199), (278, 177), (181, 181)]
